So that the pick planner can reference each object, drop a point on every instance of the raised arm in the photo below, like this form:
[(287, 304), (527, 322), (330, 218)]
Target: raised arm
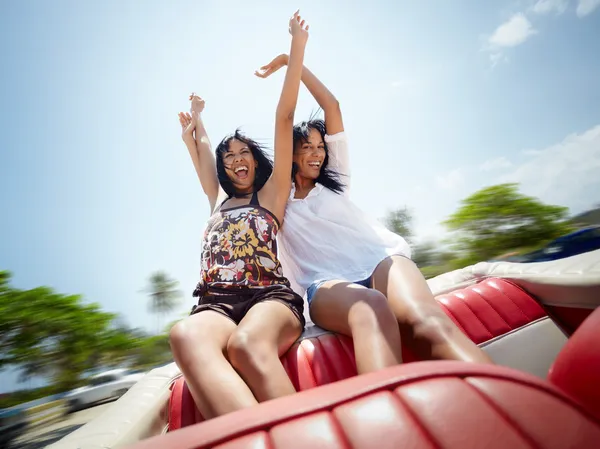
[(200, 150), (326, 100), (280, 181)]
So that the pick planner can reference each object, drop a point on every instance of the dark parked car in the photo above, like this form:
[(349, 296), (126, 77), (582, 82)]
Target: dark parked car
[(13, 422), (578, 242)]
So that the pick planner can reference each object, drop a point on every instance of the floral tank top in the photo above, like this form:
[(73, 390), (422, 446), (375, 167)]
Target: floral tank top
[(239, 249)]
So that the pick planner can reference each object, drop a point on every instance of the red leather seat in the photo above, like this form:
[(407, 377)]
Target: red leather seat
[(420, 405), (576, 370), (482, 311), (490, 309)]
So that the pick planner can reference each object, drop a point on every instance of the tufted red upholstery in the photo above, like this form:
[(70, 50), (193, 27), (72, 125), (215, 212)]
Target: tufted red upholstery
[(483, 311), (422, 405), (320, 360), (182, 408), (490, 308)]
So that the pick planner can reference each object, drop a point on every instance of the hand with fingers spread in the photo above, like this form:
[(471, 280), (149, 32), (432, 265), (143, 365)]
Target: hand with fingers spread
[(278, 62), (187, 127), (298, 27), (195, 137)]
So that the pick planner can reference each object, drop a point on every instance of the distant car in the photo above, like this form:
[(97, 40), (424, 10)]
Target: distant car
[(517, 259), (102, 387), (20, 418), (13, 423), (578, 242)]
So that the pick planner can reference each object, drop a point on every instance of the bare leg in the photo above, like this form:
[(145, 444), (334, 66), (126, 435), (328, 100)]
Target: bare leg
[(198, 343), (424, 326), (365, 315), (266, 333)]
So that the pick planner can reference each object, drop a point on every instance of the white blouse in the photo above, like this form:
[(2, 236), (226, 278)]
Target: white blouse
[(326, 236)]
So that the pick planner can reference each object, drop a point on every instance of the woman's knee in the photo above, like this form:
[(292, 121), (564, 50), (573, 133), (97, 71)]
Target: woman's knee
[(248, 351), (372, 311), (190, 344), (180, 335), (429, 321)]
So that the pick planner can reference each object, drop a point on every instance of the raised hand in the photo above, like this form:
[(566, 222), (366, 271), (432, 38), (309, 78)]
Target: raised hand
[(197, 104), (187, 127), (298, 28), (267, 70)]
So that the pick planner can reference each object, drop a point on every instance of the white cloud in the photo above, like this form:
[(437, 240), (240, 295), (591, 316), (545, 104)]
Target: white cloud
[(495, 164), (549, 6), (567, 173), (497, 58), (513, 32), (531, 152), (451, 180), (586, 7)]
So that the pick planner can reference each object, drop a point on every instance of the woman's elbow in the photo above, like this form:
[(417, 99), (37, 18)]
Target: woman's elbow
[(333, 105), (284, 115)]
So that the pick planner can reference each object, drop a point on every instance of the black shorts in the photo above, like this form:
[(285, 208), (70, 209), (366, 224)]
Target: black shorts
[(236, 305)]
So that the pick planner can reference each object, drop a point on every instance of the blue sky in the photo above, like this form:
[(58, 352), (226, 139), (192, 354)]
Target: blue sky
[(439, 99)]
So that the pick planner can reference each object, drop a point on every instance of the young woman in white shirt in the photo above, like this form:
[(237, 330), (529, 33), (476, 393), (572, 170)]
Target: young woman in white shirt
[(358, 276)]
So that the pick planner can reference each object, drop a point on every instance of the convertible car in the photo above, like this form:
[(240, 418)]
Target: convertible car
[(540, 322)]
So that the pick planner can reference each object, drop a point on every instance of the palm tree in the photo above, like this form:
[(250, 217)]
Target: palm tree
[(164, 295), (400, 221)]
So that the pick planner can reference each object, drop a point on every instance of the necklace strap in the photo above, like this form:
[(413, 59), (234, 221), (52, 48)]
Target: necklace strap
[(242, 195)]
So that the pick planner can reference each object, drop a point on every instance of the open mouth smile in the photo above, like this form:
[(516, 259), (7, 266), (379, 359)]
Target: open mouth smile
[(241, 171)]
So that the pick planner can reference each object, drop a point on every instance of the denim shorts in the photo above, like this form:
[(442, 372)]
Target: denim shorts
[(310, 291)]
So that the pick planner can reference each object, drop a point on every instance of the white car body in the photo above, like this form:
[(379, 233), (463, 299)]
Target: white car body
[(104, 386)]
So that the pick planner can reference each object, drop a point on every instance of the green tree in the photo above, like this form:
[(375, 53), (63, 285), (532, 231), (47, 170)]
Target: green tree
[(117, 345), (164, 295), (400, 221), (424, 254), (57, 336), (499, 218), (152, 351)]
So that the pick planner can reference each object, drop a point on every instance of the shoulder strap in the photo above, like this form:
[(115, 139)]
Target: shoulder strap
[(218, 208), (253, 201)]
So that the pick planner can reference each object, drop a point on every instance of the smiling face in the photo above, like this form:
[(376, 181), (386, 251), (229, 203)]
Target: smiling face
[(240, 165), (310, 155)]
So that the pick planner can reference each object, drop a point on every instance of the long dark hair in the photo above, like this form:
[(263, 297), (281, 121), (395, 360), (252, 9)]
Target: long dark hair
[(327, 177), (263, 170)]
